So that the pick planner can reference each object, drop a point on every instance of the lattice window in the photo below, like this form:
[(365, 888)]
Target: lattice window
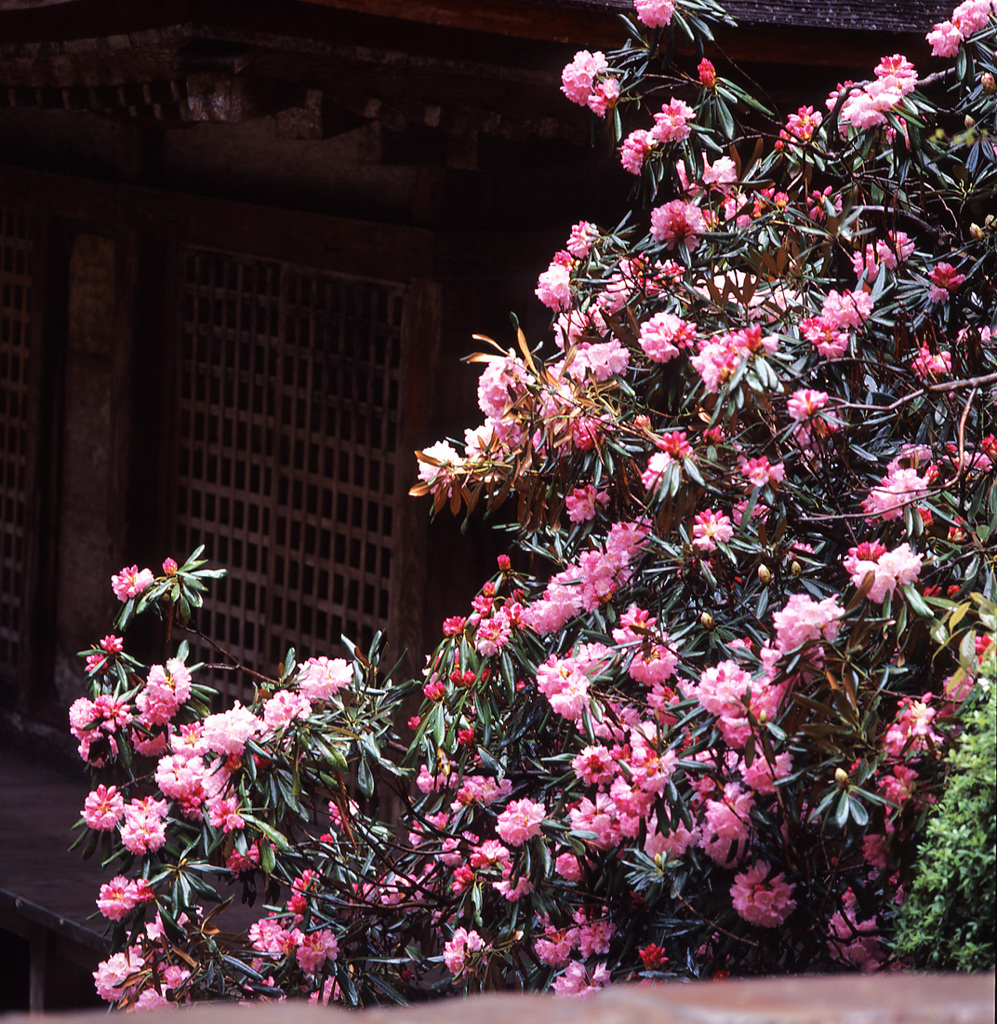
[(288, 431), (15, 297)]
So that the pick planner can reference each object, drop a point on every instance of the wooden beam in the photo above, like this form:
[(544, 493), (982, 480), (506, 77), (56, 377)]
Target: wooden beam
[(381, 251), (525, 19)]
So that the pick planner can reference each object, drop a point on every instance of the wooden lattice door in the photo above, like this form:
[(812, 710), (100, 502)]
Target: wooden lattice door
[(15, 297), (287, 440)]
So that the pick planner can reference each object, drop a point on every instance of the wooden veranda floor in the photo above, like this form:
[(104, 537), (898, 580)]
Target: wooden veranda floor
[(47, 944)]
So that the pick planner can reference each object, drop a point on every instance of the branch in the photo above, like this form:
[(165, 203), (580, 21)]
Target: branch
[(952, 385)]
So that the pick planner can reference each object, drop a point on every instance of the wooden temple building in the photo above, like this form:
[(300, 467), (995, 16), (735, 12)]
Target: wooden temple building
[(243, 246)]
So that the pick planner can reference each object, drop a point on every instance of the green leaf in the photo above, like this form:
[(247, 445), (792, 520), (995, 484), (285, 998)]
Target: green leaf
[(275, 837)]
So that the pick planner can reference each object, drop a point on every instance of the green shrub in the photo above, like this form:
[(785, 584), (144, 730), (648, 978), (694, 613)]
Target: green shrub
[(947, 922)]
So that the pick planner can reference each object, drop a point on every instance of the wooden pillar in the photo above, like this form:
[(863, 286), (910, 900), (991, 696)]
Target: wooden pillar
[(86, 496), (420, 358)]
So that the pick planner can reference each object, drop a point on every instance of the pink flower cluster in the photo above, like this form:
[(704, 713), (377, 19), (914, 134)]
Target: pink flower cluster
[(762, 898), (841, 311), (720, 355), (945, 279), (311, 949), (800, 127), (321, 679), (665, 335), (930, 365), (900, 487), (866, 106), (463, 950), (582, 503), (589, 583), (119, 897), (946, 37), (554, 284), (897, 248), (710, 529), (803, 620), (130, 582), (655, 13), (520, 821), (585, 81), (678, 223), (888, 568)]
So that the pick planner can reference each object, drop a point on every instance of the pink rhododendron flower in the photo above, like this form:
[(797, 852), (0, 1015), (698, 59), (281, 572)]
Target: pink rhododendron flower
[(911, 729), (900, 487), (721, 173), (577, 981), (438, 463), (671, 122), (856, 942), (568, 867), (805, 619), (130, 582), (655, 13), (635, 149), (799, 127), (268, 935), (104, 808), (479, 789), (283, 708), (888, 568), (711, 529), (678, 222), (930, 366), (664, 335), (321, 679), (112, 974), (579, 76), (945, 39), (581, 503), (760, 472), (120, 896), (144, 827), (583, 234), (899, 785), (238, 863), (760, 899), (805, 403), (726, 825), (761, 775), (945, 279), (604, 95), (166, 689), (226, 733), (459, 950), (887, 253), (847, 309), (520, 821), (554, 284), (315, 948)]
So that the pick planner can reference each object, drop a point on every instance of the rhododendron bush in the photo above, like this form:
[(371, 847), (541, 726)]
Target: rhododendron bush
[(694, 723)]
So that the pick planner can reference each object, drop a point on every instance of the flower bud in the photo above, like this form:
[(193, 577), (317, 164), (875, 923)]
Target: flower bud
[(988, 83), (764, 574), (707, 620), (841, 776), (976, 232), (969, 122), (707, 74), (795, 568)]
